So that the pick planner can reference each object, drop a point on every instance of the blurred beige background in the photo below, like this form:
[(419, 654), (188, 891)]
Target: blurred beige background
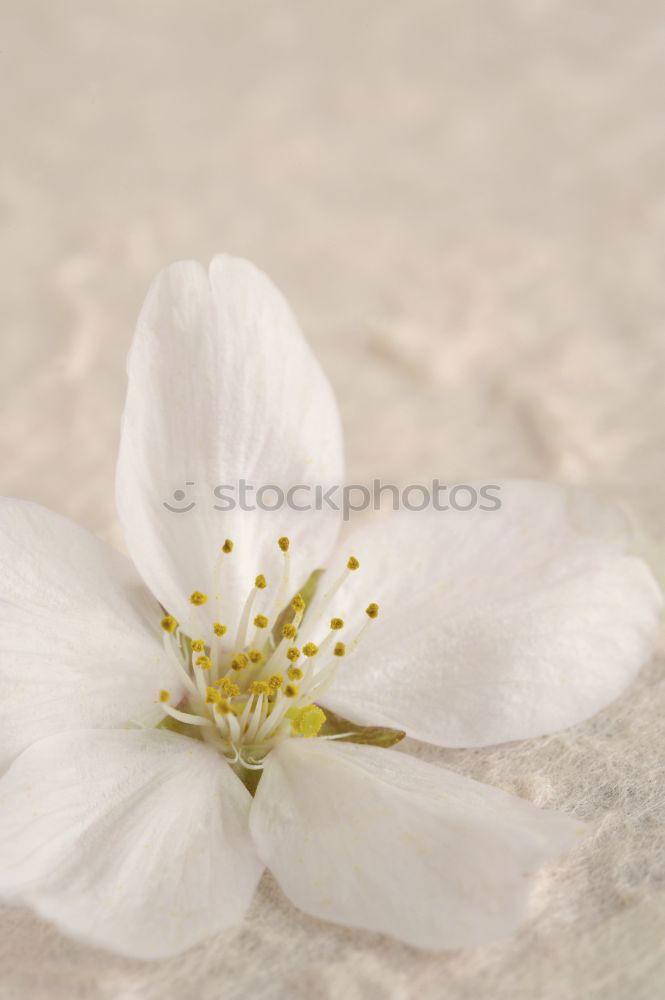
[(464, 202)]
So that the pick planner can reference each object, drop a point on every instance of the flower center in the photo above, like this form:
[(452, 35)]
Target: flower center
[(246, 697)]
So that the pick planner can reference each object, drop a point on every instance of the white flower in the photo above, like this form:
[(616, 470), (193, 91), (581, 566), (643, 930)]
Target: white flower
[(493, 626)]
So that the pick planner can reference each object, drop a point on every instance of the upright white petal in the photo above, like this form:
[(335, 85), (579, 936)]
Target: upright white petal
[(495, 625), (222, 387), (80, 643), (377, 839), (135, 841)]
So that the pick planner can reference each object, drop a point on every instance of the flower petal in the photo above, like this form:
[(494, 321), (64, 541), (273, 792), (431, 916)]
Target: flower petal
[(222, 387), (80, 644), (377, 839), (495, 625), (135, 841)]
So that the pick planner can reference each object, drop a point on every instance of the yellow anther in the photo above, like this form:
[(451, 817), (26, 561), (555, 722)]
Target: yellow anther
[(227, 546), (283, 543), (308, 721), (239, 662), (372, 610), (310, 649), (198, 645), (261, 621), (213, 697), (260, 582), (352, 563), (340, 649), (223, 707), (336, 624), (219, 629), (169, 624), (259, 687), (293, 654), (289, 631), (164, 695), (275, 682), (228, 687), (297, 603), (204, 662), (295, 673), (291, 690), (198, 598), (256, 656)]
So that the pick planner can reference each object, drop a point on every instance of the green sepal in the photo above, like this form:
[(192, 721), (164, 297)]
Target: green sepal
[(249, 777), (374, 736)]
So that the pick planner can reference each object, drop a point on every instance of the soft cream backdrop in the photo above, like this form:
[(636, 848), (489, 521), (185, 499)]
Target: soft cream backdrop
[(464, 202)]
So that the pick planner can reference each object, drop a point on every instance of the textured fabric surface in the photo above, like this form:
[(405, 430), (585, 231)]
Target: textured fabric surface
[(464, 204)]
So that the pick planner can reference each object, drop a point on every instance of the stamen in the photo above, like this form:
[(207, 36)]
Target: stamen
[(260, 622), (172, 652), (197, 598), (198, 645), (317, 684), (298, 606), (239, 662), (326, 644), (294, 673), (289, 631), (241, 636), (293, 654), (225, 550), (258, 717), (291, 690), (351, 565), (244, 715), (201, 665), (228, 688), (256, 656), (164, 695), (340, 649), (231, 723), (283, 589), (219, 631), (191, 720), (273, 721), (372, 612), (213, 697), (310, 649), (169, 624), (336, 624)]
